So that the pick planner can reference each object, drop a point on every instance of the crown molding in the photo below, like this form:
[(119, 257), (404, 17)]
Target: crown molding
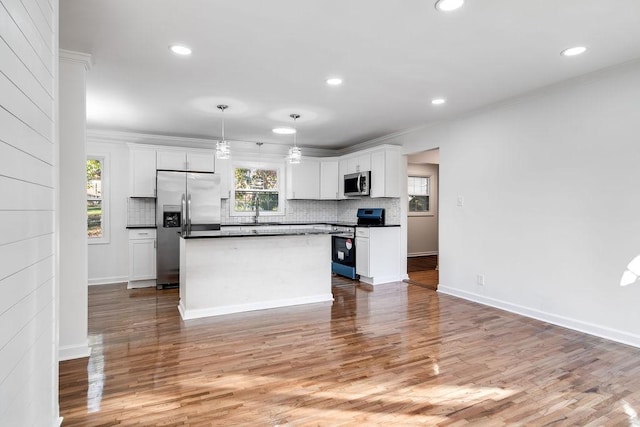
[(76, 58), (120, 137)]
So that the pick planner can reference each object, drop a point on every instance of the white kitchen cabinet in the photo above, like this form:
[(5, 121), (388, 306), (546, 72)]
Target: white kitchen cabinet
[(186, 160), (342, 171), (201, 161), (359, 163), (385, 173), (377, 250), (223, 167), (142, 258), (143, 173), (329, 182), (303, 180)]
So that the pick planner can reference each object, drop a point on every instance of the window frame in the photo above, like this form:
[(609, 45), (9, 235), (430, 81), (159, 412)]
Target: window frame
[(429, 194), (248, 164), (106, 213)]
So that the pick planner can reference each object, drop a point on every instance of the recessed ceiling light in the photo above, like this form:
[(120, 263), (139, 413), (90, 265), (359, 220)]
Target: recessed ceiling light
[(449, 5), (180, 49), (284, 131), (438, 101), (573, 51), (334, 81)]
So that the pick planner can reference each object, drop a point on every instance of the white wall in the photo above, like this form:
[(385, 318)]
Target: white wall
[(73, 207), (109, 262), (28, 153), (422, 230), (551, 211)]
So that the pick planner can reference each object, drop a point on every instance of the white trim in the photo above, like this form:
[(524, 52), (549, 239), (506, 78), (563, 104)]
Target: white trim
[(108, 280), (139, 284), (240, 308), (58, 422), (566, 322), (68, 352), (76, 57), (163, 141), (417, 254), (374, 281)]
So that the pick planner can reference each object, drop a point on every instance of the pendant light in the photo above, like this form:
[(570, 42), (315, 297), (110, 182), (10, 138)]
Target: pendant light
[(223, 151), (295, 154)]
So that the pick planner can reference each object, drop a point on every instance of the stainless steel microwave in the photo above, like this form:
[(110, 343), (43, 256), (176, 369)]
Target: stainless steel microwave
[(357, 184)]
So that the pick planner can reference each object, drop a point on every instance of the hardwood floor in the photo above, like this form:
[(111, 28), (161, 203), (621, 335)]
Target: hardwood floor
[(395, 354), (422, 271)]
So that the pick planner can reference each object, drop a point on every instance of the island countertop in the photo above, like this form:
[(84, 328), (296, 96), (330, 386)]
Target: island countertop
[(256, 232)]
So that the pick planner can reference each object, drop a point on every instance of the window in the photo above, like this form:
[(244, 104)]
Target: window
[(419, 191), (256, 186), (97, 206)]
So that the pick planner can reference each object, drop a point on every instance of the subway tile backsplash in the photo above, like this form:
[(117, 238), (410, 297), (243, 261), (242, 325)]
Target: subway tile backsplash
[(141, 211), (321, 211)]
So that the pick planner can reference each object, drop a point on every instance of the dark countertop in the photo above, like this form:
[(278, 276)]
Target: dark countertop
[(212, 234), (334, 224), (133, 227)]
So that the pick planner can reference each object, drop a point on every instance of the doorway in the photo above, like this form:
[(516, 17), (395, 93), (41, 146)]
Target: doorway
[(422, 218)]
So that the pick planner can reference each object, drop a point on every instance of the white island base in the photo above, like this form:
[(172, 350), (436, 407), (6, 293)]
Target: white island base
[(236, 274)]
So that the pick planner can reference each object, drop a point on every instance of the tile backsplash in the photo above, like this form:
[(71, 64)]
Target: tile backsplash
[(141, 211), (321, 211)]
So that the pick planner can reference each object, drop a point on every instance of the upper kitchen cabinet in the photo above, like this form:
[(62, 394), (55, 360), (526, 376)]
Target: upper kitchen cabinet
[(329, 179), (358, 163), (223, 167), (183, 160), (303, 180), (385, 172), (143, 173)]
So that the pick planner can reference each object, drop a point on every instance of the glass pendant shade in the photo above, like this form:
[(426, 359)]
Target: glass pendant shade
[(223, 150), (295, 153)]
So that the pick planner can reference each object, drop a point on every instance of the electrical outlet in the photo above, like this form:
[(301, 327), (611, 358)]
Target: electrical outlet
[(480, 279), (460, 201)]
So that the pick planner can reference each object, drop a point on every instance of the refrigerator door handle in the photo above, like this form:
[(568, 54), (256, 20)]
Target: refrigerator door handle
[(183, 215), (188, 214)]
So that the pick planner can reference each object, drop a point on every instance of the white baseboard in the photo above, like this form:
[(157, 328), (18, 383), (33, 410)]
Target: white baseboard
[(566, 322), (379, 280), (58, 422), (108, 280), (137, 284), (188, 314), (416, 254), (69, 352)]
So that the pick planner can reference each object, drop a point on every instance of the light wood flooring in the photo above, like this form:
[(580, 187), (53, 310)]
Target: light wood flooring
[(395, 354)]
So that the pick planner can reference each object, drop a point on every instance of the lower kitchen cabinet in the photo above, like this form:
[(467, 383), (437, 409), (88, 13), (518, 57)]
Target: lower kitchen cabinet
[(142, 258), (377, 250)]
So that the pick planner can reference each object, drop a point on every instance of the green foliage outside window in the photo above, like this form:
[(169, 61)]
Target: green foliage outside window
[(256, 187), (94, 198)]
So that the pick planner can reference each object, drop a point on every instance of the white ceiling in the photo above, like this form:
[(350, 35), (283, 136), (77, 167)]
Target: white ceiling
[(268, 59)]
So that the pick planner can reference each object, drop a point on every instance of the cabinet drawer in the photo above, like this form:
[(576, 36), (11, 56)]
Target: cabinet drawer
[(362, 232), (142, 233)]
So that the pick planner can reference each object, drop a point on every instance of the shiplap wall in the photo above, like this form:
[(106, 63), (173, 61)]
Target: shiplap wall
[(28, 75)]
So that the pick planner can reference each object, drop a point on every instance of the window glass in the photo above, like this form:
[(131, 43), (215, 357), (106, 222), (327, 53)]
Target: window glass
[(419, 191), (256, 187), (95, 222)]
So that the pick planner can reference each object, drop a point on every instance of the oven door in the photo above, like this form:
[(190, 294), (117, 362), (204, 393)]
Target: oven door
[(343, 250)]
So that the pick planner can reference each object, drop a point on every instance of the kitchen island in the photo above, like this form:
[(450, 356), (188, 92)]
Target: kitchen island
[(232, 271)]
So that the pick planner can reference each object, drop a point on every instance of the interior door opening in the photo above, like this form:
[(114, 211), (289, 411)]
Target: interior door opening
[(422, 218)]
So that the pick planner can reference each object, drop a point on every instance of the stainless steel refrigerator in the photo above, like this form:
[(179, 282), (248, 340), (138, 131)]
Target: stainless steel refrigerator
[(186, 202)]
